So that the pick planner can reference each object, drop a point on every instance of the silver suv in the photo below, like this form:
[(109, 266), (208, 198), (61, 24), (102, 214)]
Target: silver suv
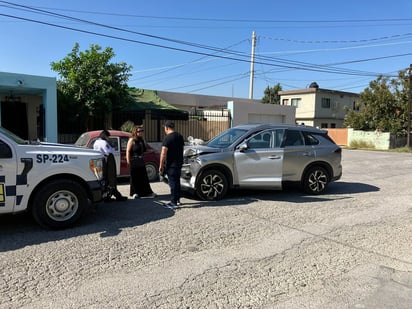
[(262, 156)]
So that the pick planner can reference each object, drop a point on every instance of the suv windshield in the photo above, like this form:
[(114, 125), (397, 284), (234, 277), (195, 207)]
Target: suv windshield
[(226, 138)]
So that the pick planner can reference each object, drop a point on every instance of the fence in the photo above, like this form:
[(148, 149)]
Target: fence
[(380, 140), (203, 125)]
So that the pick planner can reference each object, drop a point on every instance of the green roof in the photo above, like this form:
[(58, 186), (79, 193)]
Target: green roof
[(143, 99)]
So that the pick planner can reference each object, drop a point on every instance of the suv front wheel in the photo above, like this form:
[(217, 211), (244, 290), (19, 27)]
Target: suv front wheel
[(212, 185)]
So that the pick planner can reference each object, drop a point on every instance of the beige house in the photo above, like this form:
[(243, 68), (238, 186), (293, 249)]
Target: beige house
[(318, 107)]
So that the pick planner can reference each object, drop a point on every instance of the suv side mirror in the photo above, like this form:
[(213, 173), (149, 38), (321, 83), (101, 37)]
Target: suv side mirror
[(243, 147)]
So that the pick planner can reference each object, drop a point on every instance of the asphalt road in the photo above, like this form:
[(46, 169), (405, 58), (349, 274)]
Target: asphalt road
[(348, 248)]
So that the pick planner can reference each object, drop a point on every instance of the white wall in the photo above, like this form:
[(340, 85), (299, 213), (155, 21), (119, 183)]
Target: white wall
[(258, 112), (381, 140)]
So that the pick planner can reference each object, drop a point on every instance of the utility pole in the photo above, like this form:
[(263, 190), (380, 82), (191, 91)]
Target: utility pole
[(408, 134), (252, 65)]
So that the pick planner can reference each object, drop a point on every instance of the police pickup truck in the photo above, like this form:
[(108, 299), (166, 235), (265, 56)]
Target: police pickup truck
[(55, 182)]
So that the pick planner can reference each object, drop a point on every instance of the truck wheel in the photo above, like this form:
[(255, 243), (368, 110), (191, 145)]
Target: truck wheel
[(212, 185), (316, 180), (59, 204), (152, 170)]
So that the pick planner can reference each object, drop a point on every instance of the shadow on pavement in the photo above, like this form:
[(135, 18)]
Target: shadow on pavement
[(335, 191), (341, 187), (108, 219)]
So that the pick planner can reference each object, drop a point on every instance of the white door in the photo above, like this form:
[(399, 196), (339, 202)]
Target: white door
[(115, 142)]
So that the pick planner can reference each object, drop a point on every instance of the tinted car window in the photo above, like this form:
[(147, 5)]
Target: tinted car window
[(12, 136), (5, 150), (278, 137), (260, 140), (266, 139), (293, 138), (310, 139), (324, 138)]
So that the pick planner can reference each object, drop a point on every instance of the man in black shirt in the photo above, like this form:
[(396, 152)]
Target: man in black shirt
[(171, 160)]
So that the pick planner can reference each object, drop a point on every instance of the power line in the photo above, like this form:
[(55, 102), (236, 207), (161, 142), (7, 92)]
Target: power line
[(285, 63), (294, 21), (395, 36), (194, 61), (38, 11), (244, 75), (218, 84), (281, 64)]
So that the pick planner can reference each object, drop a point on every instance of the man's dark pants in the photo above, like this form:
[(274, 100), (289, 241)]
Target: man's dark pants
[(173, 175)]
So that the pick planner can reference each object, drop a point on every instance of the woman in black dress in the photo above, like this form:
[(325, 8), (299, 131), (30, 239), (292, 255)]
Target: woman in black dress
[(139, 181)]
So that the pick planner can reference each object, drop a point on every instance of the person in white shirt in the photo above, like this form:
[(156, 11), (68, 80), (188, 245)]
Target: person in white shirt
[(102, 144)]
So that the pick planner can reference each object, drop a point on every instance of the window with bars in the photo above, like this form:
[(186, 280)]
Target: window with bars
[(325, 102)]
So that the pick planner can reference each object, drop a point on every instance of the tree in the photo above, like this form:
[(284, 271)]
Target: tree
[(382, 106), (96, 85), (271, 95)]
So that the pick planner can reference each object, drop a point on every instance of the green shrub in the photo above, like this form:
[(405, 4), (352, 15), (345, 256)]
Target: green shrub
[(361, 144), (127, 126), (402, 149)]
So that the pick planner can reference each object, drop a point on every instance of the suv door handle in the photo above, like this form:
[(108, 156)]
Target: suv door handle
[(275, 157)]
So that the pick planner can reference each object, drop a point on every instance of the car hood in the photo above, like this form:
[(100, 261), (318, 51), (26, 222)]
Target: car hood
[(190, 151), (59, 148)]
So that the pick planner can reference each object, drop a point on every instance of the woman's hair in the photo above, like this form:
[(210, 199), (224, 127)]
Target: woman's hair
[(135, 129)]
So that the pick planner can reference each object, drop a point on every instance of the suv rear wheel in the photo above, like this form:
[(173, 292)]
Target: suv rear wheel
[(212, 185), (316, 180)]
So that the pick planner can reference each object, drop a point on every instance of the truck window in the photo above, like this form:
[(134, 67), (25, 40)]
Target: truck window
[(5, 150)]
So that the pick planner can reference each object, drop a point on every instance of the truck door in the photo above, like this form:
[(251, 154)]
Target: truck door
[(115, 142), (8, 178)]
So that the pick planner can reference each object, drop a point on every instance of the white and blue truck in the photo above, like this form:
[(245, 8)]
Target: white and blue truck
[(54, 182)]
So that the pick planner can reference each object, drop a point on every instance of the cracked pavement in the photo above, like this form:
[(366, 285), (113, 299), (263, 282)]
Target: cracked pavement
[(348, 248)]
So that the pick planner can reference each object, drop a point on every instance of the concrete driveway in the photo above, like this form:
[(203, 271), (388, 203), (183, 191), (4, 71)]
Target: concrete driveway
[(349, 248)]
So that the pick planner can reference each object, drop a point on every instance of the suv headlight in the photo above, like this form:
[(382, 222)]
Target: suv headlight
[(189, 152), (96, 166)]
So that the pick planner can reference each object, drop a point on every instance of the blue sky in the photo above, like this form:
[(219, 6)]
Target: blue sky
[(204, 47)]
